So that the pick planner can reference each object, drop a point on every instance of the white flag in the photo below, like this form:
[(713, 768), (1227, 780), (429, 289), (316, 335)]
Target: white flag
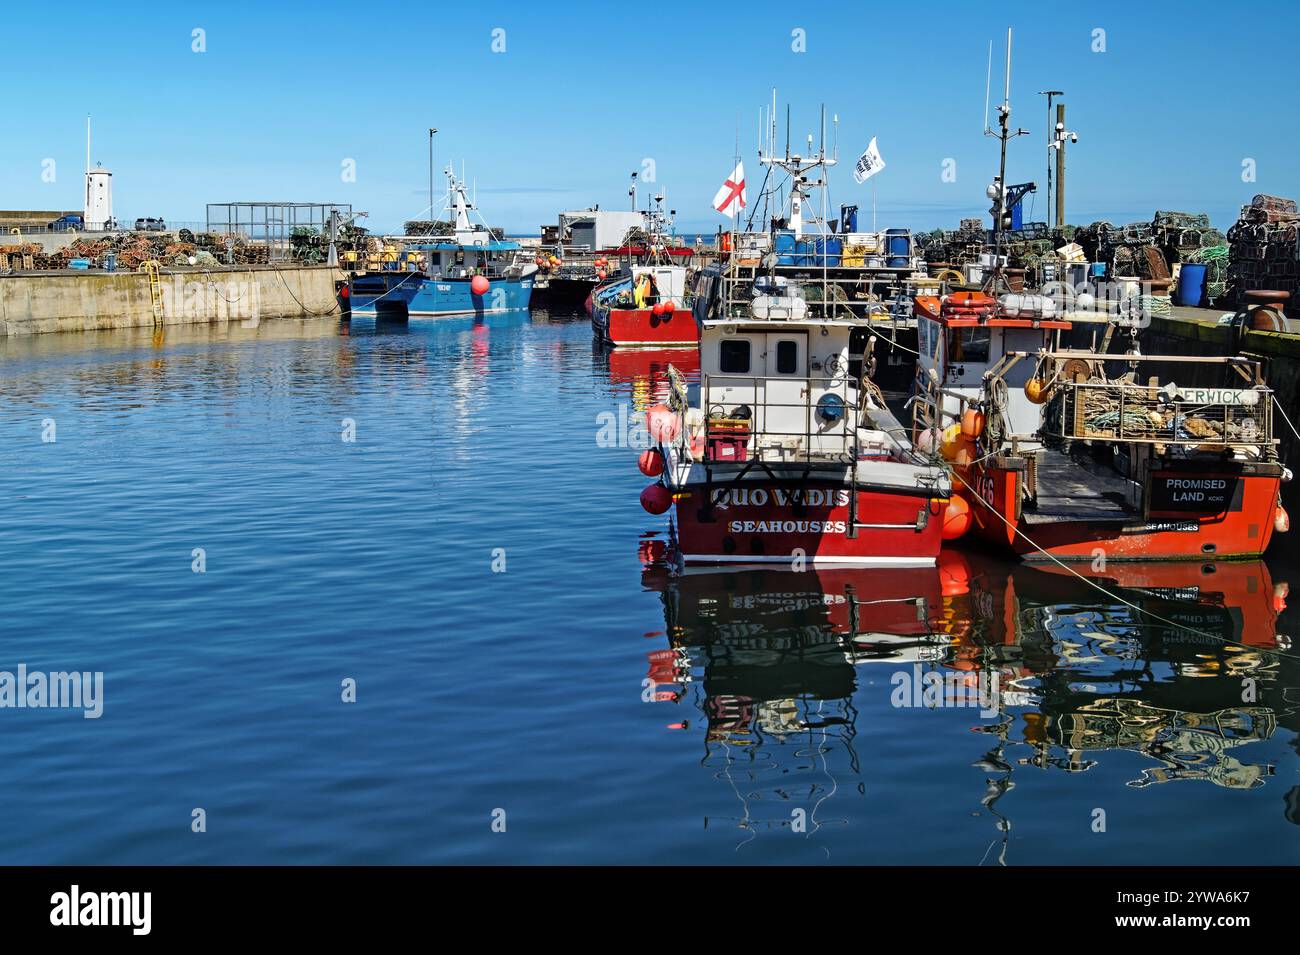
[(731, 197), (869, 163)]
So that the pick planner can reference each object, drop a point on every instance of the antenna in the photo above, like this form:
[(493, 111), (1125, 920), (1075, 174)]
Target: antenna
[(835, 136), (988, 82), (771, 133), (822, 149), (1006, 94)]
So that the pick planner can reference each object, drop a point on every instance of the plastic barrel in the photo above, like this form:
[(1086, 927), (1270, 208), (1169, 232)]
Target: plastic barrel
[(833, 248), (784, 247), (817, 251), (1191, 283), (898, 244)]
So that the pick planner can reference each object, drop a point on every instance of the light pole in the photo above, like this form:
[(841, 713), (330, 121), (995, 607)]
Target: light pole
[(432, 130), (1051, 138)]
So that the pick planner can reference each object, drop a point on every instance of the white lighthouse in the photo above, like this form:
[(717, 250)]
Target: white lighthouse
[(98, 212)]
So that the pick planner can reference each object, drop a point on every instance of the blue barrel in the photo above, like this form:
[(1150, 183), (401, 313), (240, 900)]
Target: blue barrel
[(833, 248), (898, 248), (784, 246), (1191, 283), (802, 252)]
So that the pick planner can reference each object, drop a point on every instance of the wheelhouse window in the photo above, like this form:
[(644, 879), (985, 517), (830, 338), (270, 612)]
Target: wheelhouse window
[(968, 345), (787, 357), (733, 356)]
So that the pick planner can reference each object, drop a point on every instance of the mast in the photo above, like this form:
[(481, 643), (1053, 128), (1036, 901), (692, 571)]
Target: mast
[(998, 190)]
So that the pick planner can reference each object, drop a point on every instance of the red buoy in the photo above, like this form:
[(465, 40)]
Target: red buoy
[(669, 308), (956, 518), (657, 308), (656, 499), (651, 462), (479, 285)]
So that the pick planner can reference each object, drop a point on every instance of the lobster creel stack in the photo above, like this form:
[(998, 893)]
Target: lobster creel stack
[(1263, 248)]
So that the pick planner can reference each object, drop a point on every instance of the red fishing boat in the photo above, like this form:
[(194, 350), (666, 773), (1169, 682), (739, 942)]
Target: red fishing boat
[(1072, 455), (648, 308), (785, 451)]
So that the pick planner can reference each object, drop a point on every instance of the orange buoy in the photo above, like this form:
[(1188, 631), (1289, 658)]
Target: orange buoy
[(656, 499), (965, 455), (1036, 390), (972, 422), (1281, 520), (651, 462), (950, 442), (956, 518), (479, 285)]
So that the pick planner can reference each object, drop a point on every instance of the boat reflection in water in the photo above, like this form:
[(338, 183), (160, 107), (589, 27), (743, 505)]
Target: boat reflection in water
[(1181, 664), (645, 370)]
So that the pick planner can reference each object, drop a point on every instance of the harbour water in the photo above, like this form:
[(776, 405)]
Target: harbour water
[(232, 523)]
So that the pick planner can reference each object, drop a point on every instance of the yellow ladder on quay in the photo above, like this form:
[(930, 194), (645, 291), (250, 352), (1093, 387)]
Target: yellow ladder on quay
[(150, 268)]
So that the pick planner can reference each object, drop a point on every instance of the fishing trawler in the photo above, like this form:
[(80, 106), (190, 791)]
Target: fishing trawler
[(786, 451), (646, 305), (648, 309), (1075, 454), (1068, 454), (471, 271)]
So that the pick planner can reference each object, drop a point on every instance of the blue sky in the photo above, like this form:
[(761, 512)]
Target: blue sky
[(584, 92)]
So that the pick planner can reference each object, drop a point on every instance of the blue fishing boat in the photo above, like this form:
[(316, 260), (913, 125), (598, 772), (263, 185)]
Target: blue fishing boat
[(470, 272)]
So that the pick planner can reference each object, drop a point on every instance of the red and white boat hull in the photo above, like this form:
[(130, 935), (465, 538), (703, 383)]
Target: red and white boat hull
[(763, 522)]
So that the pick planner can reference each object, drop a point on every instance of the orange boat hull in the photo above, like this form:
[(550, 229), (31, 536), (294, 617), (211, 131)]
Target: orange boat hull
[(1237, 532)]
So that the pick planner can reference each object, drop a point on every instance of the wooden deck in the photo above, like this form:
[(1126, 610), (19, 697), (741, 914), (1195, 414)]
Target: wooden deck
[(1072, 488)]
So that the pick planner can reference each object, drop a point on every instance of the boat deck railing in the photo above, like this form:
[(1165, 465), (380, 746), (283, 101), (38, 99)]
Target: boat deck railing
[(830, 292), (1238, 413), (1202, 418), (749, 421)]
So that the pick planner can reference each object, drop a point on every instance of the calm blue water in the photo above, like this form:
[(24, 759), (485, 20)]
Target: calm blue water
[(774, 738)]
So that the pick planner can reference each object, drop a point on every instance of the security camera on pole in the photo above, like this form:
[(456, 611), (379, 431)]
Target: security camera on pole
[(1062, 135)]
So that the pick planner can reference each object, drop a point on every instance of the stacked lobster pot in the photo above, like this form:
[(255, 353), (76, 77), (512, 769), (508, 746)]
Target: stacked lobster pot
[(1264, 248)]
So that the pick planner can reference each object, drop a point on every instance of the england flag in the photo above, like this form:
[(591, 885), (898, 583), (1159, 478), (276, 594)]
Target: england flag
[(730, 199)]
